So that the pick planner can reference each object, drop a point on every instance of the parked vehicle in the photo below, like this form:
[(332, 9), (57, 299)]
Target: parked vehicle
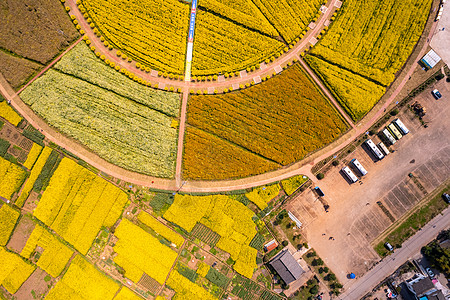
[(389, 246), (374, 149), (437, 95), (349, 174), (383, 148), (430, 273), (394, 131), (358, 166), (403, 129), (446, 197)]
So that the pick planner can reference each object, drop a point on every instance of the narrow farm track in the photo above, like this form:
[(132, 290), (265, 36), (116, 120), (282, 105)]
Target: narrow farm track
[(326, 92), (181, 131), (302, 167)]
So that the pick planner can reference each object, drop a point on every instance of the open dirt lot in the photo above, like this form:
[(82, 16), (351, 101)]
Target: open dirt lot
[(342, 236), (441, 38)]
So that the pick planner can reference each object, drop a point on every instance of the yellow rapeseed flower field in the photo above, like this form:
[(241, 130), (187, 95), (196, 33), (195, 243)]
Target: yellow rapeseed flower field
[(281, 120), (83, 281), (290, 18), (366, 45), (211, 158), (139, 252), (243, 12), (35, 171), (229, 218), (32, 156), (222, 46), (161, 229), (291, 184), (77, 203), (9, 114), (186, 289), (11, 178), (152, 32), (8, 220), (55, 256), (263, 194), (117, 128), (13, 271)]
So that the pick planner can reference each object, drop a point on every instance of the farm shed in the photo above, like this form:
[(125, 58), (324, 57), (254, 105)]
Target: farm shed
[(430, 59), (286, 266)]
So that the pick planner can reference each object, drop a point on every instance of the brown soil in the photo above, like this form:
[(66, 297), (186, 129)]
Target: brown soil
[(21, 234), (37, 30), (16, 70), (35, 284)]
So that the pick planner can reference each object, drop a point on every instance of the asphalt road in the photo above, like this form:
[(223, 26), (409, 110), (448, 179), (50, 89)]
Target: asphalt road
[(387, 266)]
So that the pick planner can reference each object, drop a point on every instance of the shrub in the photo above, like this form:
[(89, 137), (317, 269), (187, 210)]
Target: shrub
[(320, 176)]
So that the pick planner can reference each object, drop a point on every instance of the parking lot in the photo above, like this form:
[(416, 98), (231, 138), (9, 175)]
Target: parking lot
[(359, 212)]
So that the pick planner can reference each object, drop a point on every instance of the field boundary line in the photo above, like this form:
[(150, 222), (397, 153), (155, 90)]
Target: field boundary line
[(48, 67), (327, 93), (424, 201), (181, 133)]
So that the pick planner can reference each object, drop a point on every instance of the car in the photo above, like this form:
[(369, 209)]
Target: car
[(430, 272), (436, 94), (446, 197), (389, 246)]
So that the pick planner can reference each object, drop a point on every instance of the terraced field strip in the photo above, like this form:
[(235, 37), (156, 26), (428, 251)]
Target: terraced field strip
[(205, 234)]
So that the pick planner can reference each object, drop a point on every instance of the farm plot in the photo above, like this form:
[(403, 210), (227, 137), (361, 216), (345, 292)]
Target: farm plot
[(8, 220), (161, 229), (245, 288), (152, 32), (9, 114), (263, 194), (229, 218), (14, 270), (11, 178), (83, 281), (209, 157), (291, 184), (117, 128), (54, 256), (82, 63), (37, 30), (34, 174), (289, 17), (32, 156), (186, 289), (17, 70), (139, 253), (367, 44), (205, 234), (242, 12), (126, 294), (77, 203), (281, 120), (223, 46)]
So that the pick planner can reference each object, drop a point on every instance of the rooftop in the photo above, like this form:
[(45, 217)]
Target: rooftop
[(286, 266)]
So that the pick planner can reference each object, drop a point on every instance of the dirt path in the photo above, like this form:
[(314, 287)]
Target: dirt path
[(181, 132), (49, 66), (326, 92)]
